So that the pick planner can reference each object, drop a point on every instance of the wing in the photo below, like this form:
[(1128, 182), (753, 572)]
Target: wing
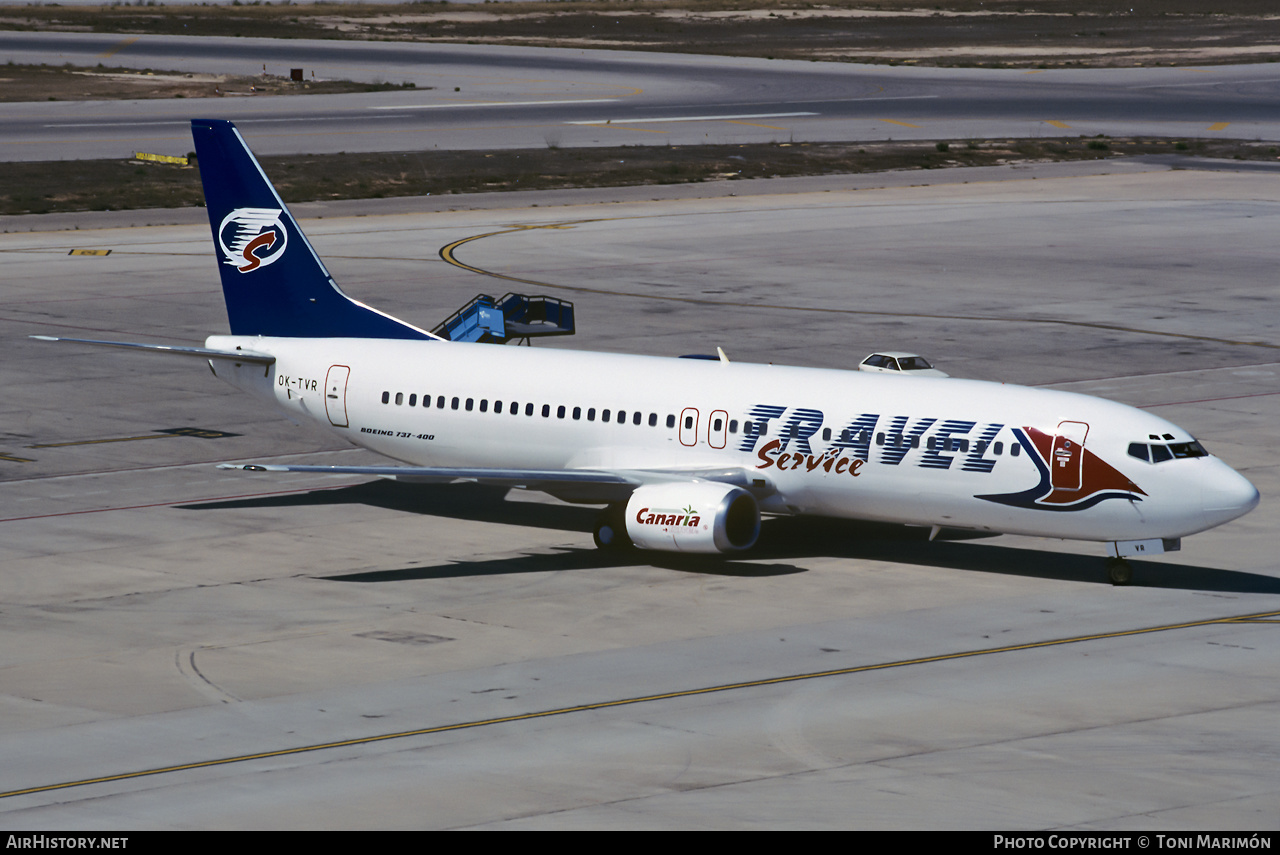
[(591, 486)]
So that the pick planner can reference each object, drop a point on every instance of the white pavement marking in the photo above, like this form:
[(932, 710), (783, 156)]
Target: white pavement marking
[(497, 104), (689, 119)]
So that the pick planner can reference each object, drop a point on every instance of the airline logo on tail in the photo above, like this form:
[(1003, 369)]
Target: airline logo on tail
[(252, 238)]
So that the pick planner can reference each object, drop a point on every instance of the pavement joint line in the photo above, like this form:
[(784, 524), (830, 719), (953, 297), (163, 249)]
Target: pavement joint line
[(1206, 400), (639, 699), (100, 441), (447, 254)]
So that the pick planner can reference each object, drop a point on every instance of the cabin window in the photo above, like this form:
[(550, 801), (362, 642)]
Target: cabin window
[(998, 448), (514, 409), (826, 434), (604, 415), (914, 442), (671, 421), (471, 402), (497, 407), (1014, 449), (528, 409), (455, 403), (981, 447), (653, 420), (386, 397), (733, 425), (715, 426), (413, 400), (399, 398), (688, 422), (546, 411), (560, 411), (484, 405), (577, 413), (880, 439), (960, 445), (591, 414), (636, 417), (440, 403), (622, 417)]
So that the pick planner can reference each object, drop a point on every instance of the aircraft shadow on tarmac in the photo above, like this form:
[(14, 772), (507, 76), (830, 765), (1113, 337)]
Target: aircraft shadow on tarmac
[(780, 539)]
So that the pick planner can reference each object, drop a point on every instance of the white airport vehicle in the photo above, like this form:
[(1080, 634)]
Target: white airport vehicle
[(902, 364), (686, 454)]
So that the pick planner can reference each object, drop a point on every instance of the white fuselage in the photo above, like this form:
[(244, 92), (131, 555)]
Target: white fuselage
[(834, 443)]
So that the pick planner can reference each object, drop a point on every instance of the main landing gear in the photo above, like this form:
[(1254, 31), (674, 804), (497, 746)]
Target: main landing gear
[(611, 529), (1119, 572)]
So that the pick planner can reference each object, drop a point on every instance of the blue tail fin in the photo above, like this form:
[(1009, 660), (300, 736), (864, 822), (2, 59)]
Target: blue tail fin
[(272, 280)]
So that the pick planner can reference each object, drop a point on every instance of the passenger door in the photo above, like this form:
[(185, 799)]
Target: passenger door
[(335, 395)]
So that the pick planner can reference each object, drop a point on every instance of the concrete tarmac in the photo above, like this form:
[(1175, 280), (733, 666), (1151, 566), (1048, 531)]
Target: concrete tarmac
[(375, 655)]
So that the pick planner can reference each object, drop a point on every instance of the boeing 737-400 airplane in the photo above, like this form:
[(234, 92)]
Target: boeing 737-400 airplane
[(686, 454)]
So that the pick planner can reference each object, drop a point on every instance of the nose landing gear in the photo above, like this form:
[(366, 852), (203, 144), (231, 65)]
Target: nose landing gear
[(1119, 572)]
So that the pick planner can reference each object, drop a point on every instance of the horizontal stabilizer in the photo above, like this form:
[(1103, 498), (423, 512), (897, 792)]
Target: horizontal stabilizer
[(174, 350)]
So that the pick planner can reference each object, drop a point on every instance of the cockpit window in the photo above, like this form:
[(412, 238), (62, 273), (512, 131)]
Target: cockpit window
[(1159, 452), (1188, 449)]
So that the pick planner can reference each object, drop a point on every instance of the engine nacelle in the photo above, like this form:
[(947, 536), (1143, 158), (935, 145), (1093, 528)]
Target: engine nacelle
[(693, 516)]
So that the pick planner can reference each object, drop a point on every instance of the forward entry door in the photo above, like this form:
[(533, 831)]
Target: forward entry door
[(1067, 458)]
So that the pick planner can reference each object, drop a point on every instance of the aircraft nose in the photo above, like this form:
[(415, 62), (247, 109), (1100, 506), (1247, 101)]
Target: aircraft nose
[(1226, 494)]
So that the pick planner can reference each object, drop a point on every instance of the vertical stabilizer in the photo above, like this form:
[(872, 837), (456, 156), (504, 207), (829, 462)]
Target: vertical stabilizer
[(273, 281)]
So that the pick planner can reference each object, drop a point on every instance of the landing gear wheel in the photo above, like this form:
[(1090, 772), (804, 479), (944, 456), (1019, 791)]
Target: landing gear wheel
[(611, 530), (1119, 572)]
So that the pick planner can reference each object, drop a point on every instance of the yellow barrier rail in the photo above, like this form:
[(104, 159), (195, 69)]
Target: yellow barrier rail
[(160, 158)]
